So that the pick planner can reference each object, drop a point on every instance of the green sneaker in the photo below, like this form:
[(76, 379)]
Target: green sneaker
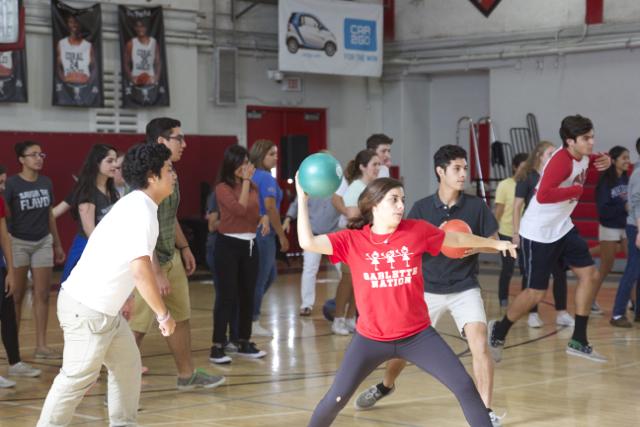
[(576, 348), (200, 379)]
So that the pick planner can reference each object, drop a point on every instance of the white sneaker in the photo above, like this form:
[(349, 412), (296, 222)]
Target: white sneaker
[(495, 419), (5, 383), (350, 323), (339, 326), (535, 321), (596, 310), (257, 329), (564, 319), (22, 369)]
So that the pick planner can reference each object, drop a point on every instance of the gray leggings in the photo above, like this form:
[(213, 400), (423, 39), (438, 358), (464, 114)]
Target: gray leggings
[(427, 350)]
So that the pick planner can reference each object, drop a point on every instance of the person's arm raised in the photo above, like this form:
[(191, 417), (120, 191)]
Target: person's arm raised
[(319, 244)]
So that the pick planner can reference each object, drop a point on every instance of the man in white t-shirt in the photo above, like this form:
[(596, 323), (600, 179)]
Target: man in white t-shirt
[(89, 303), (142, 63), (75, 56)]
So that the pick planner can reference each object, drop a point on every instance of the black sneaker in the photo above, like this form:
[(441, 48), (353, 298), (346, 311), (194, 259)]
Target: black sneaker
[(218, 356), (249, 349)]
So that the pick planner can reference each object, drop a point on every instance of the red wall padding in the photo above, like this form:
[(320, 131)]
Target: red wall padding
[(66, 152)]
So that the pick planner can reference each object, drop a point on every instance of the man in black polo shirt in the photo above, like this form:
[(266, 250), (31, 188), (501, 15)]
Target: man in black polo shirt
[(451, 284)]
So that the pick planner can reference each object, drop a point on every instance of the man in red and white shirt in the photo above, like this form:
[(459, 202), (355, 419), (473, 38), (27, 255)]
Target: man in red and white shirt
[(547, 236)]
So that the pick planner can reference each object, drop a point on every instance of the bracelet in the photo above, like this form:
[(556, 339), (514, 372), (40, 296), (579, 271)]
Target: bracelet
[(164, 318)]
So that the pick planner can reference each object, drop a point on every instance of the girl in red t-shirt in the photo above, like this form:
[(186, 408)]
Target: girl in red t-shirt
[(384, 252)]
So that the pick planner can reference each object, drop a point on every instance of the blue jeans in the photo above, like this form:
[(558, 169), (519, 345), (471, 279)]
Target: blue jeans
[(630, 276), (266, 268), (233, 324)]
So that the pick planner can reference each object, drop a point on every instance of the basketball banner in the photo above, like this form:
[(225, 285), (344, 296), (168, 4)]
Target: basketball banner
[(142, 51), (330, 37), (13, 76), (77, 59)]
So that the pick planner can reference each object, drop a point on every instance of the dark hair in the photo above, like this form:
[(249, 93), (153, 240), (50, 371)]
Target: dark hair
[(445, 155), (141, 162), (610, 176), (369, 198), (160, 127), (259, 151), (85, 187), (23, 146), (517, 160), (234, 157), (3, 169), (353, 172), (574, 126), (638, 145), (378, 139)]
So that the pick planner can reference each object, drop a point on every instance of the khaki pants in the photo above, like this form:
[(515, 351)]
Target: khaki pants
[(177, 302), (92, 339)]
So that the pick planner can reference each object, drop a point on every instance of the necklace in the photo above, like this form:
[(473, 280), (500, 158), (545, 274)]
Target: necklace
[(384, 242)]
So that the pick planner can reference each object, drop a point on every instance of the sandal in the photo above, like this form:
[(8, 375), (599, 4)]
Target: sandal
[(305, 311)]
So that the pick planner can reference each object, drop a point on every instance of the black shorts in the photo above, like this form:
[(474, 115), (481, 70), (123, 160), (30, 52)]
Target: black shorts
[(539, 259)]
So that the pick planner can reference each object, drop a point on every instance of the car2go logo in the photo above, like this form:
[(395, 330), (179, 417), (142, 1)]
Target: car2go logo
[(360, 34)]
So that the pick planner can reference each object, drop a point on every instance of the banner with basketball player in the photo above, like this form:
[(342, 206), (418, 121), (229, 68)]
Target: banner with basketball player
[(77, 59), (13, 76), (142, 51)]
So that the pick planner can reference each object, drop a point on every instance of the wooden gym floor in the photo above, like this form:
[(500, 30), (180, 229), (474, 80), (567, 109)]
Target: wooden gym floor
[(536, 384)]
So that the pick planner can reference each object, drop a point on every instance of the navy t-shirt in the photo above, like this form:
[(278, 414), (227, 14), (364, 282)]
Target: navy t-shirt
[(525, 189), (29, 203), (443, 275)]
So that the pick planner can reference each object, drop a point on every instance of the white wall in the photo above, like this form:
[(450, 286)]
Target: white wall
[(603, 86), (440, 18)]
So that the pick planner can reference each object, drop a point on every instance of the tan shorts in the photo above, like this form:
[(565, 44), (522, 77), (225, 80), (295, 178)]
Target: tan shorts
[(608, 234), (177, 301), (37, 254)]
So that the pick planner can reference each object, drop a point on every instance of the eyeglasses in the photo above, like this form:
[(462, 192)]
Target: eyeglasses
[(35, 155), (179, 138)]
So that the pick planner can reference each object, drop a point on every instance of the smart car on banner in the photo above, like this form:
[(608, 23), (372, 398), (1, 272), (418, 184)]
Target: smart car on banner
[(330, 37)]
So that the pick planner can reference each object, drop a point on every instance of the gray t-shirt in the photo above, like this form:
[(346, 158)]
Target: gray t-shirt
[(29, 203), (444, 275), (103, 205)]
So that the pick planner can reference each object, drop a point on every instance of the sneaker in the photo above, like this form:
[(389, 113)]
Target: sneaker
[(5, 383), (230, 347), (305, 311), (370, 397), (350, 323), (22, 369), (200, 379), (495, 345), (620, 322), (495, 419), (47, 353), (249, 349), (218, 356), (535, 321), (564, 319), (339, 326), (576, 348), (257, 329), (595, 309)]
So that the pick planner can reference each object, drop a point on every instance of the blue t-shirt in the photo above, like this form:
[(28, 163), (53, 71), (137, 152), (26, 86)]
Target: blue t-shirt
[(267, 187)]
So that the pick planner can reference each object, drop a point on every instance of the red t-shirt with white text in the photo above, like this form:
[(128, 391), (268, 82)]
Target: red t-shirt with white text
[(387, 277)]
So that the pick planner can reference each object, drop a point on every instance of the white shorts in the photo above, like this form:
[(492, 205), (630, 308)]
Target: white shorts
[(607, 234), (465, 307)]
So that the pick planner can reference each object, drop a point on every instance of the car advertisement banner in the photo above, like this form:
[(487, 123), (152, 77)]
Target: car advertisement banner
[(330, 37), (77, 58), (142, 52)]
